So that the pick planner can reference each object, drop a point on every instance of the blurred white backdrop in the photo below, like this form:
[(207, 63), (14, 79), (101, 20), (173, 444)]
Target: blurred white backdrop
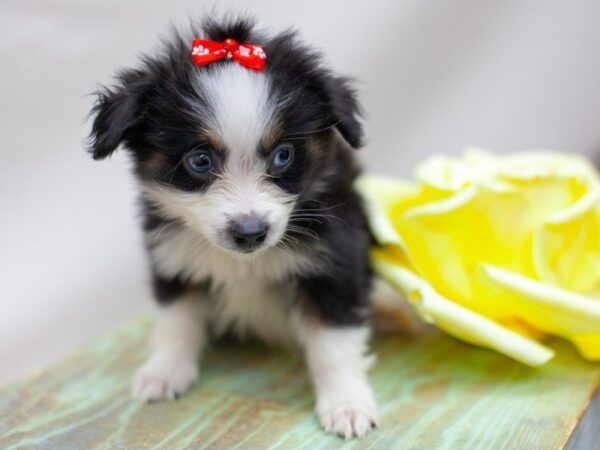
[(434, 76)]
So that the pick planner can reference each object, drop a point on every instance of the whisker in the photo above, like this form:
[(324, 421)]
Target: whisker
[(328, 217), (305, 133), (292, 241), (303, 231), (319, 209), (304, 219)]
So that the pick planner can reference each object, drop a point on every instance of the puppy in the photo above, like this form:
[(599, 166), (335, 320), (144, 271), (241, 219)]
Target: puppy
[(251, 221)]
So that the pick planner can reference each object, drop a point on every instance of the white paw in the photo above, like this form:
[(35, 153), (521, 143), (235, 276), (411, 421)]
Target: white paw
[(164, 378), (347, 415)]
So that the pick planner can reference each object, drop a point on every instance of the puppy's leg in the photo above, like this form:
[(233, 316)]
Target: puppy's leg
[(337, 361), (176, 343)]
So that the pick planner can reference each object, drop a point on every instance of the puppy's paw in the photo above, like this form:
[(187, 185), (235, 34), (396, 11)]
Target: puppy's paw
[(163, 378), (347, 415)]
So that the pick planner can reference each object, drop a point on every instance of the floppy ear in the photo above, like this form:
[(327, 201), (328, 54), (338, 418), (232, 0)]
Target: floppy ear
[(346, 111), (116, 112)]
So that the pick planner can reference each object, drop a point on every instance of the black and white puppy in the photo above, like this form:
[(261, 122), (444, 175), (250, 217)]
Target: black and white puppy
[(251, 221)]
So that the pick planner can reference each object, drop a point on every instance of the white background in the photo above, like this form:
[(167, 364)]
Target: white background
[(434, 76)]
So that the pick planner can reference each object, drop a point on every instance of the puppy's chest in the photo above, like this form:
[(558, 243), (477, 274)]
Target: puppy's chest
[(248, 296), (250, 307)]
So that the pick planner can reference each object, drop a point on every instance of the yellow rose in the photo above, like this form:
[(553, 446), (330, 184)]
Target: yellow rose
[(495, 250)]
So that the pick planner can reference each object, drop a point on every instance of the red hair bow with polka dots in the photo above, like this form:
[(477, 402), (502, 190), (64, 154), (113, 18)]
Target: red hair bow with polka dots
[(248, 55)]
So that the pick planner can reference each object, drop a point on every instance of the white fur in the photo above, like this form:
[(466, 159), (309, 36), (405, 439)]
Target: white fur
[(247, 292), (177, 341), (251, 307), (240, 105), (338, 363)]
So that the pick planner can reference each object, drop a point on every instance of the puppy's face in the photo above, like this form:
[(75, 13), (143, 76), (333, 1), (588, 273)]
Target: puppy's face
[(227, 150), (236, 178)]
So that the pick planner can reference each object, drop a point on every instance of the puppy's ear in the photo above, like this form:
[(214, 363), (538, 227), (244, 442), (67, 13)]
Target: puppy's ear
[(346, 111), (116, 112)]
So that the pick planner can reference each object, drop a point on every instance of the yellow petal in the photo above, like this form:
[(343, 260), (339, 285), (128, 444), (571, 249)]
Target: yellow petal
[(447, 240), (567, 247), (553, 308), (458, 321), (588, 345), (380, 195)]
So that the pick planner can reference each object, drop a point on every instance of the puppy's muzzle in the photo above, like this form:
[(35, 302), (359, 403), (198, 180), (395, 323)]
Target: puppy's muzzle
[(248, 232)]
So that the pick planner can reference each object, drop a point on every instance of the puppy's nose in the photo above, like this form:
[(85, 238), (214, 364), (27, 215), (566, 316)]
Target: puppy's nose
[(249, 232)]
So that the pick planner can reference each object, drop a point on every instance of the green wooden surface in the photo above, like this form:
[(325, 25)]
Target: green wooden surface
[(433, 392)]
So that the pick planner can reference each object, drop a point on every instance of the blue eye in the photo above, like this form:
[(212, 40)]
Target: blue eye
[(283, 156), (198, 162)]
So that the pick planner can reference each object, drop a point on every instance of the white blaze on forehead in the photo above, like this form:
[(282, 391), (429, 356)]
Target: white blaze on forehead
[(239, 109), (240, 104)]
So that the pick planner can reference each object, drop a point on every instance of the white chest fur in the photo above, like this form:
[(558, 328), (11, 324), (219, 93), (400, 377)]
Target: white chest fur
[(251, 295), (251, 307)]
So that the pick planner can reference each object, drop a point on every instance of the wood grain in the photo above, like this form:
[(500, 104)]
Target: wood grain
[(434, 392)]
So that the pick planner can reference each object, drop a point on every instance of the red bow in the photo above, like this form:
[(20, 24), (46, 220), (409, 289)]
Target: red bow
[(248, 55)]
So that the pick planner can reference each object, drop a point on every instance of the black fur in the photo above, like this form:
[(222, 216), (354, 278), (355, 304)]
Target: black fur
[(166, 289), (149, 111), (340, 294)]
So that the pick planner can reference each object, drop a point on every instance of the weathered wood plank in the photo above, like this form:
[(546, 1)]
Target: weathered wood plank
[(433, 392)]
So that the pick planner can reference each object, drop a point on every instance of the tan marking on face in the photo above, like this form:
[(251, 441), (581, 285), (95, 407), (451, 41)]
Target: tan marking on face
[(272, 137), (155, 163), (213, 138)]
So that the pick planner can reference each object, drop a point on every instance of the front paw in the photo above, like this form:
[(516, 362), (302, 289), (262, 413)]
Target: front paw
[(163, 378), (347, 415)]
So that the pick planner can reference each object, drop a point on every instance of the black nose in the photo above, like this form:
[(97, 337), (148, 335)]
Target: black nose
[(249, 232)]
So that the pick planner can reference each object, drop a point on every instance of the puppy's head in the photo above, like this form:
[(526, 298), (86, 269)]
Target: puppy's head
[(228, 150)]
